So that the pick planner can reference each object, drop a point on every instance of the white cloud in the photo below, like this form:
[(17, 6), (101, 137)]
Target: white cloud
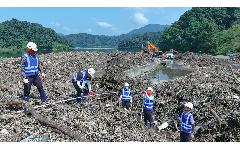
[(55, 24), (140, 19), (104, 24)]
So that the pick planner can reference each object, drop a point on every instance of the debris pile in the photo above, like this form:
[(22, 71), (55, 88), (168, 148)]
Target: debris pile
[(213, 87), (214, 90)]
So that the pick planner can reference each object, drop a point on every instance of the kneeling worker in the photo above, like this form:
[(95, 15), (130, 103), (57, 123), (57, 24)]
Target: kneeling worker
[(82, 82)]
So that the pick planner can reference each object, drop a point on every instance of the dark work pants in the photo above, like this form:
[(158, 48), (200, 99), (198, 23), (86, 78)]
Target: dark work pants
[(79, 91), (36, 81), (185, 137), (148, 117), (126, 104)]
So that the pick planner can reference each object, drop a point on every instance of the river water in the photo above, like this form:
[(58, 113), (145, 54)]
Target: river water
[(171, 71), (156, 73)]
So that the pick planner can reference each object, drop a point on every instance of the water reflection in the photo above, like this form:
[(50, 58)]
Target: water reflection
[(171, 71)]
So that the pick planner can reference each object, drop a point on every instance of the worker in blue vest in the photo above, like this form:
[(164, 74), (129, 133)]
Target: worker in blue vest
[(32, 73), (126, 96), (82, 82), (148, 103), (187, 123)]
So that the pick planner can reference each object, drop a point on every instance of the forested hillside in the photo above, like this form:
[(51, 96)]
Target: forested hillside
[(148, 28), (89, 40), (129, 40), (208, 30), (15, 34), (135, 43)]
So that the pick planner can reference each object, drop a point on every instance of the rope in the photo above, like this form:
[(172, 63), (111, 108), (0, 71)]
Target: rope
[(54, 103), (61, 101)]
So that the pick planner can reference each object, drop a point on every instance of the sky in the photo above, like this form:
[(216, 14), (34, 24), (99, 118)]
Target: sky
[(94, 20)]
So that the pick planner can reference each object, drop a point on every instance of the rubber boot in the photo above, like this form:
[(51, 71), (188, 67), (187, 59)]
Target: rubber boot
[(79, 99), (85, 93), (147, 124), (26, 98), (23, 108)]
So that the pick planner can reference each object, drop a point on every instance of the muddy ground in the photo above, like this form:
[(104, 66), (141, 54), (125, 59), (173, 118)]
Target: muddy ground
[(213, 87)]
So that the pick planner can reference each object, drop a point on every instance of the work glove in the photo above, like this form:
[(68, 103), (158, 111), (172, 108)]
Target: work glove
[(90, 93), (43, 75), (25, 80), (79, 85), (120, 98), (192, 136)]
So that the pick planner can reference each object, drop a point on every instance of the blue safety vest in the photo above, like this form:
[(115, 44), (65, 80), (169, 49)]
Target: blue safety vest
[(148, 102), (186, 125), (126, 95), (84, 76), (31, 68)]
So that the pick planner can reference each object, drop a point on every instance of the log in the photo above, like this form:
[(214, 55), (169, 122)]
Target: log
[(14, 105), (57, 125)]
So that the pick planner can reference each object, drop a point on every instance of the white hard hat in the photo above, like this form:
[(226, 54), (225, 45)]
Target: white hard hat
[(126, 84), (189, 105), (32, 46), (91, 71), (150, 89)]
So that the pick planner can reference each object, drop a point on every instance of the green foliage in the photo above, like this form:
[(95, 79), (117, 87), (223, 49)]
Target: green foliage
[(198, 29), (57, 47), (11, 52), (148, 28), (228, 40), (207, 30), (135, 43), (15, 34), (89, 40), (130, 40)]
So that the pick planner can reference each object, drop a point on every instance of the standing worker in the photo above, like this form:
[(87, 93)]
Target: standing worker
[(32, 72), (148, 102), (82, 80), (187, 123), (126, 97)]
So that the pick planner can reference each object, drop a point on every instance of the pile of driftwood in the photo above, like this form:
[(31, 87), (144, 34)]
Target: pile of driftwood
[(213, 87), (214, 90)]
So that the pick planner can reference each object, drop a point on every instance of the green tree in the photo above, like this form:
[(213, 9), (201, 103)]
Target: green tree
[(15, 34), (197, 29)]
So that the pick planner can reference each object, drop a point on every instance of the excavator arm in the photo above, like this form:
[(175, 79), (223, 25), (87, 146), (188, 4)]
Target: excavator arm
[(150, 46)]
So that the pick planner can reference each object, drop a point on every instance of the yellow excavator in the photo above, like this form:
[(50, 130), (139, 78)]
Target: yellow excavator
[(156, 53), (151, 46)]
